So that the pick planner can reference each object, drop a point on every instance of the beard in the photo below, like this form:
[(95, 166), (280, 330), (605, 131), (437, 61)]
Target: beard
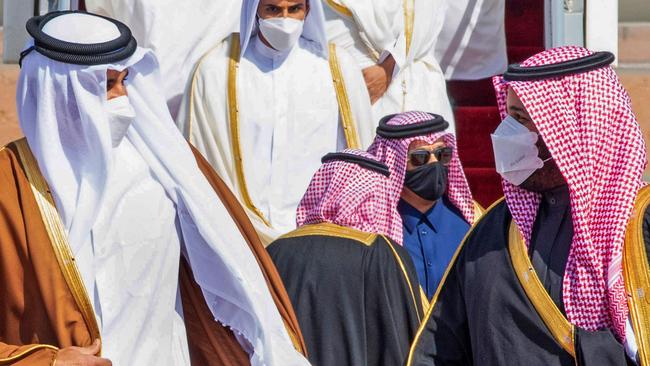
[(547, 177)]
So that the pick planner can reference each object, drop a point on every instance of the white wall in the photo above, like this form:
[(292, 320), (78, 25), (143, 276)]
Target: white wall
[(602, 25)]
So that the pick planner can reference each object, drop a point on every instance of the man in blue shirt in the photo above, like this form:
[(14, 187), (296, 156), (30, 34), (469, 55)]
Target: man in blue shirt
[(436, 204)]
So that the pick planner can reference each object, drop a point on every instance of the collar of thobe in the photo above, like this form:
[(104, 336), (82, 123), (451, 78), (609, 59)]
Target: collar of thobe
[(267, 52)]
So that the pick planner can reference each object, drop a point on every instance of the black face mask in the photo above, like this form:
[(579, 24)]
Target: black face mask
[(428, 181)]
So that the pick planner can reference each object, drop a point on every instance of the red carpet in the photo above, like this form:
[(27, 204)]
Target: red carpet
[(475, 105)]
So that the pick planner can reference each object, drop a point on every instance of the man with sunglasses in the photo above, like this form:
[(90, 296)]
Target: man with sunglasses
[(436, 204)]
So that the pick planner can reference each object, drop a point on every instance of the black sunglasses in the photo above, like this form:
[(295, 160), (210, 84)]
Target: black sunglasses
[(422, 157)]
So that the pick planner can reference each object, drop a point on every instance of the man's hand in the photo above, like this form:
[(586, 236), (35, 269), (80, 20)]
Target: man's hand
[(378, 78), (81, 356)]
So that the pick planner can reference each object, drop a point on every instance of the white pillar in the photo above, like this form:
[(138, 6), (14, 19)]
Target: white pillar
[(16, 13), (602, 25)]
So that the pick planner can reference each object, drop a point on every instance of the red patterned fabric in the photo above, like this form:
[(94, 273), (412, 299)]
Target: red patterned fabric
[(347, 194), (394, 153), (588, 125)]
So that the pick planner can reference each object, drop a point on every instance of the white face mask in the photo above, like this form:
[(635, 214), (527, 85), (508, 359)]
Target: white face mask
[(120, 116), (281, 33), (515, 153)]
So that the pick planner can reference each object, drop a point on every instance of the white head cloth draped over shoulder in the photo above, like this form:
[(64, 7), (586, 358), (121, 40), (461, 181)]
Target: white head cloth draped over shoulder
[(587, 122), (63, 112), (313, 30)]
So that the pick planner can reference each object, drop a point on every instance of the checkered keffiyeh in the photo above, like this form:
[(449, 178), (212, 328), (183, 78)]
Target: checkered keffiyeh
[(587, 123), (394, 153), (346, 194)]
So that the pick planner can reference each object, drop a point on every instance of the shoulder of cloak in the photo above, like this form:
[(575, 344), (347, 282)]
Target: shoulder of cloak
[(273, 280), (12, 174), (374, 254), (212, 66), (488, 233), (332, 230), (636, 270)]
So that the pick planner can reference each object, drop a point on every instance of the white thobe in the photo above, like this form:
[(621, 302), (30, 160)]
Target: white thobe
[(288, 122), (131, 269), (378, 28), (472, 43), (179, 33), (288, 119)]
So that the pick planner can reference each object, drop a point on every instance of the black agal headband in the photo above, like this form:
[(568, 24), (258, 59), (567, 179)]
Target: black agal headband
[(114, 50), (516, 72), (362, 161), (433, 125)]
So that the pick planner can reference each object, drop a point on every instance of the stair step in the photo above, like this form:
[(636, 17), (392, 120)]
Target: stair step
[(471, 92), (524, 23)]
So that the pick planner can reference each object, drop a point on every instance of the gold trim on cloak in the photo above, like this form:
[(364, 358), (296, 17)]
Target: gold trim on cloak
[(339, 8), (367, 239), (478, 212), (329, 229), (636, 271), (561, 329), (347, 121), (406, 277), (58, 236), (409, 23), (345, 110), (233, 116), (432, 303), (27, 352)]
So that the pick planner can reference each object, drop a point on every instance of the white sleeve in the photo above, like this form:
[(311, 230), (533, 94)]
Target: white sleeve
[(358, 97)]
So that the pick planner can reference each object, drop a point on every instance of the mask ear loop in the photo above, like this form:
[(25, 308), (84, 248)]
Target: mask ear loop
[(545, 160)]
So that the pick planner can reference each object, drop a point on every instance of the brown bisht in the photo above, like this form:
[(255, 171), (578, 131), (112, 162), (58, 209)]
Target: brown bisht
[(43, 304)]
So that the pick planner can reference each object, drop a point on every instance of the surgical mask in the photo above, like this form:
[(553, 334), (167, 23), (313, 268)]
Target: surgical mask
[(515, 154), (428, 181), (281, 33), (120, 116)]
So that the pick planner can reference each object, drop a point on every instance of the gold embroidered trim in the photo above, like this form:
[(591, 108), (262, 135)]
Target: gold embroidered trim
[(329, 229), (192, 87), (339, 8), (58, 236), (233, 116), (636, 270), (406, 276), (27, 352), (425, 301), (557, 324), (409, 22), (347, 121), (294, 338), (433, 301), (478, 211)]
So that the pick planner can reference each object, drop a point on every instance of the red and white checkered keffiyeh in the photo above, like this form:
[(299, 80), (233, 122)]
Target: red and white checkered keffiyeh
[(394, 153), (588, 125), (347, 194)]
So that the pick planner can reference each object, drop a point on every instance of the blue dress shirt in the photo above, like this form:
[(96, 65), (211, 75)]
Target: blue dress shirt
[(431, 239)]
